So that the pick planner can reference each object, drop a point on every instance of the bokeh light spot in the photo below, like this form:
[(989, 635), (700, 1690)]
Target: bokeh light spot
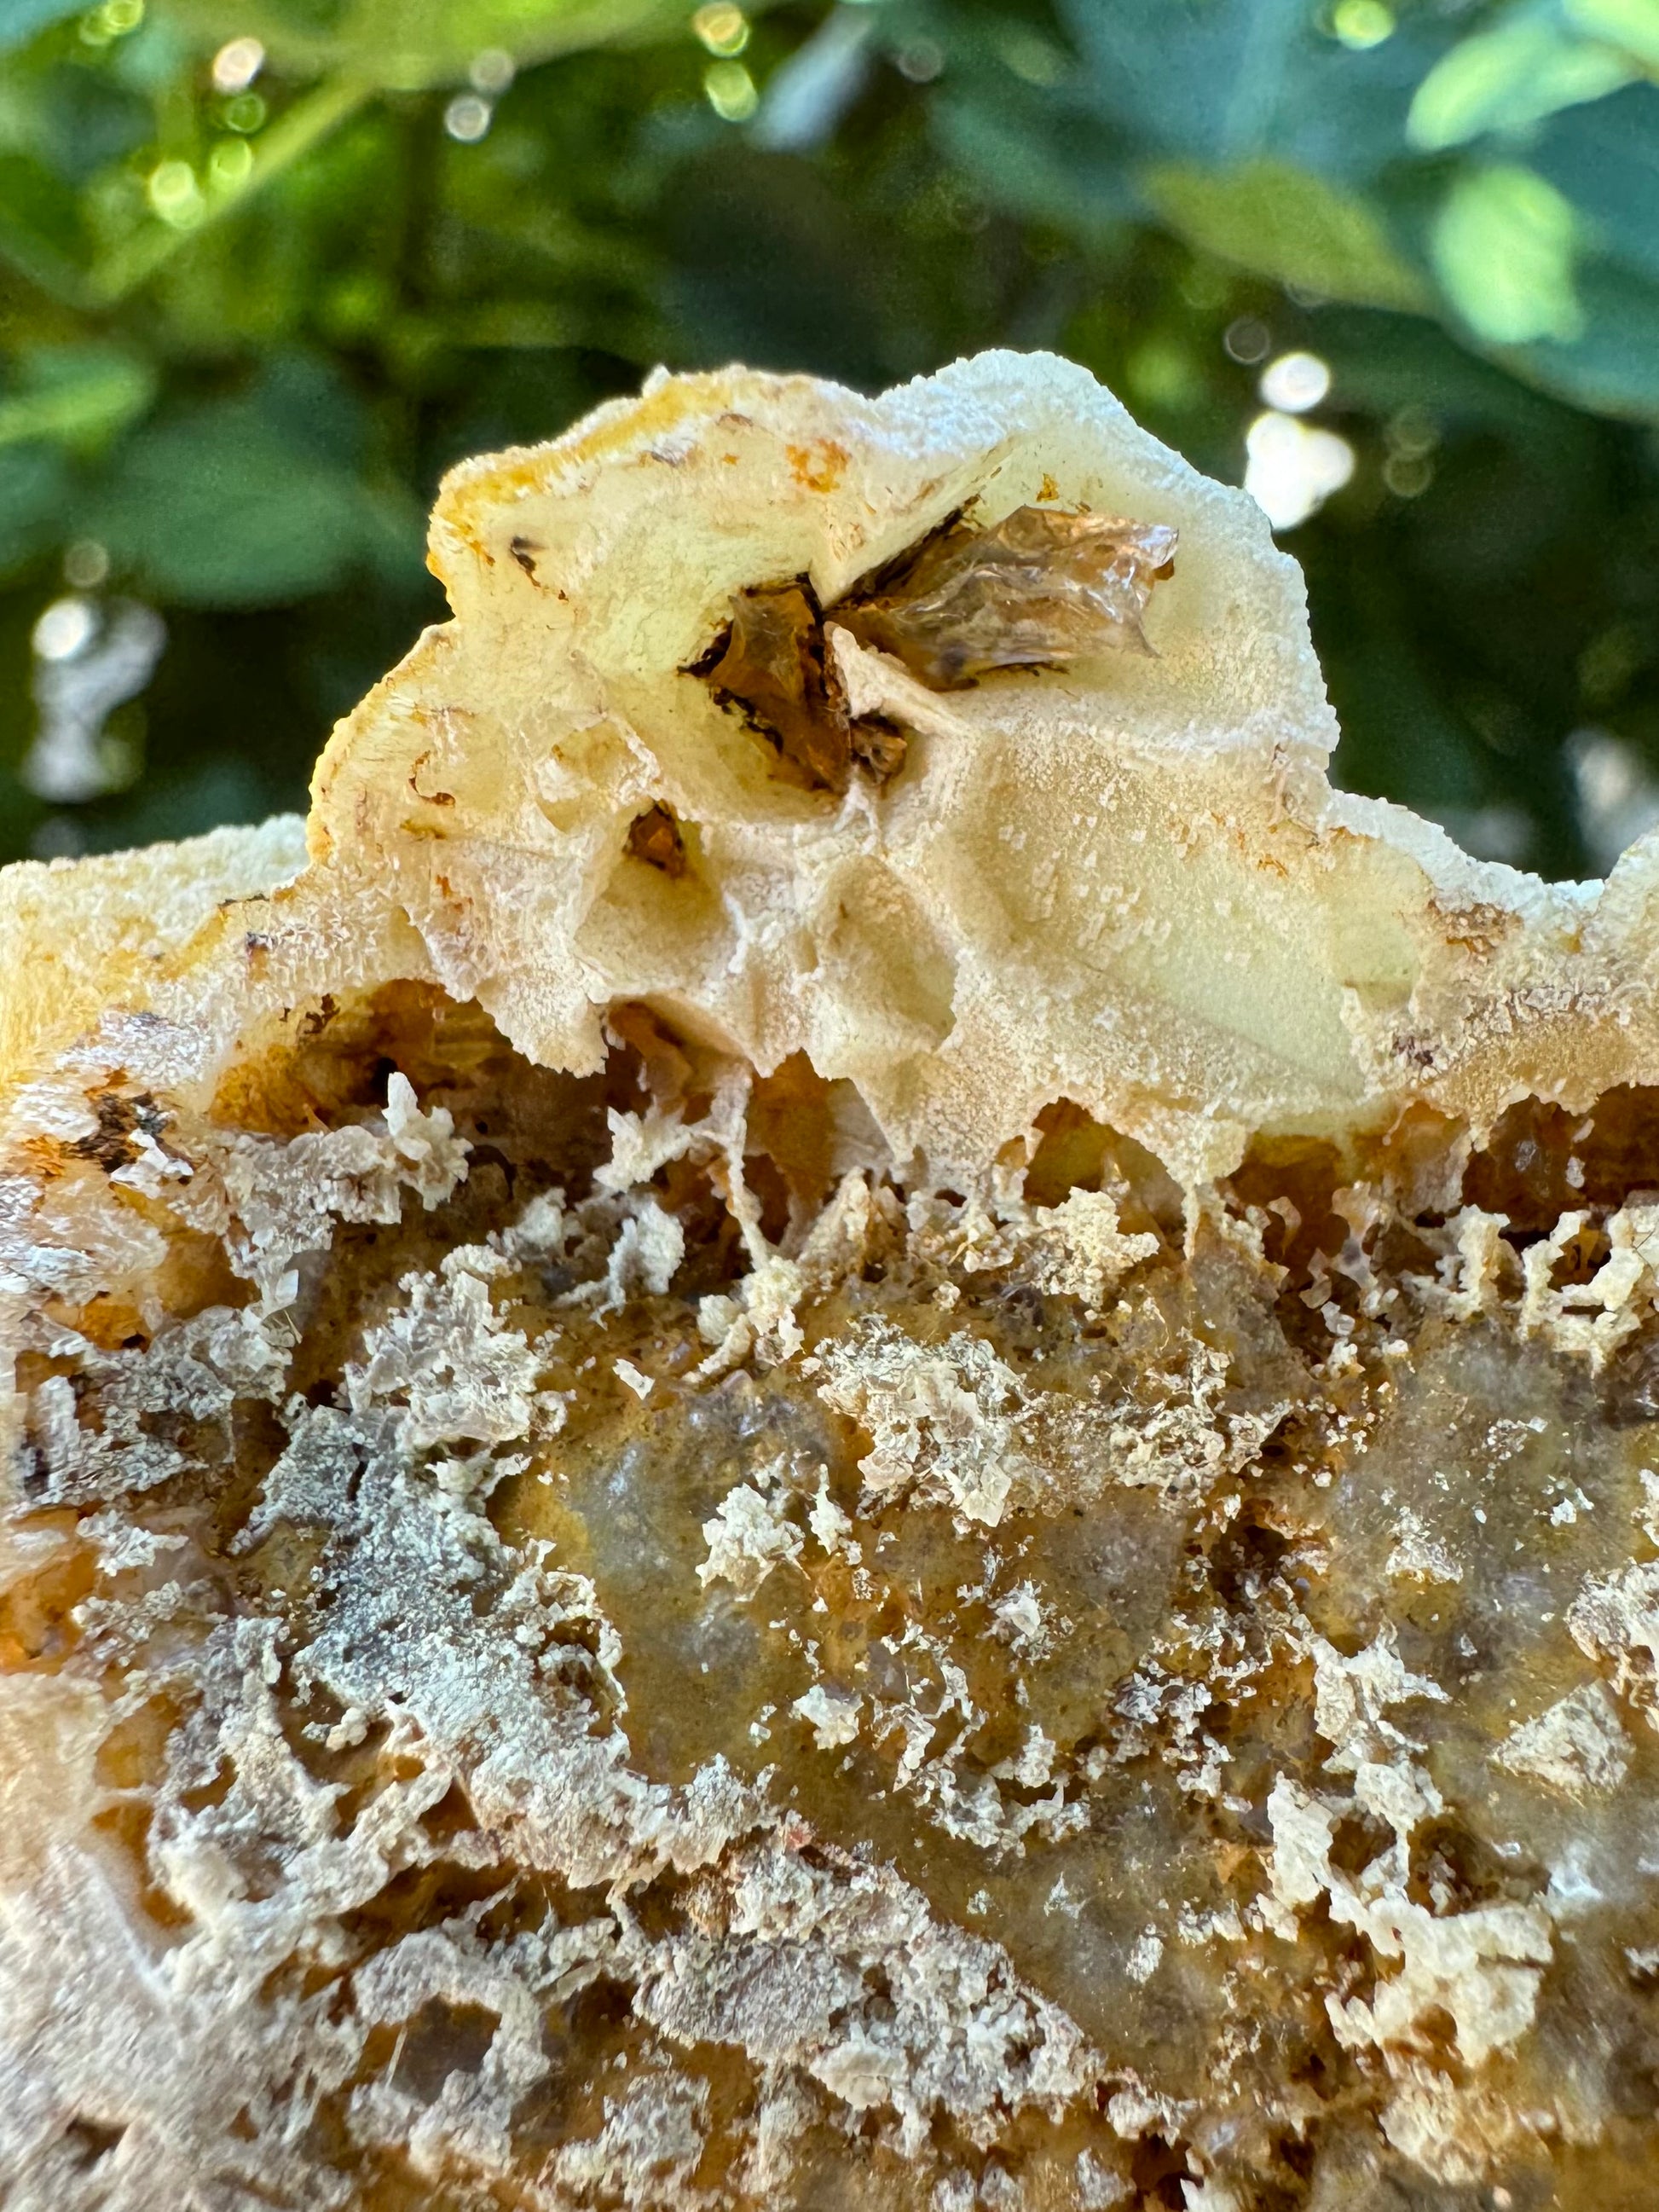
[(1361, 24), (1617, 792), (1411, 433), (85, 564), (467, 117), (230, 163), (1295, 382), (1292, 469), (174, 194), (1408, 475), (921, 61), (723, 29), (236, 64), (65, 628), (492, 71), (114, 20), (1247, 339), (731, 91)]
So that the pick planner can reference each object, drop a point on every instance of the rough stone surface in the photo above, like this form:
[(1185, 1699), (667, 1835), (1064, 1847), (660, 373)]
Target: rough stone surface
[(933, 1489)]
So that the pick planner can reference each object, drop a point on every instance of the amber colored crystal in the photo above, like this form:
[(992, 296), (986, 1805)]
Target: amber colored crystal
[(1039, 589)]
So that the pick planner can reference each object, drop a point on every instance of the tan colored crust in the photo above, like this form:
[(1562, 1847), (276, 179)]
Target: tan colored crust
[(913, 1475), (79, 936)]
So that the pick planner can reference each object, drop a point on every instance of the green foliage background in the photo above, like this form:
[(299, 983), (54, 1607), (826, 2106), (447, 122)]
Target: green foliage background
[(244, 332)]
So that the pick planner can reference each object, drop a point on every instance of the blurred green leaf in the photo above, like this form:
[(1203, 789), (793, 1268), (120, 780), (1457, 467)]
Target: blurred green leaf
[(1605, 161), (22, 20), (1222, 83), (1632, 25), (41, 233), (1291, 226), (244, 499), (1504, 245), (1050, 162), (79, 395), (1529, 67), (35, 493), (1613, 365)]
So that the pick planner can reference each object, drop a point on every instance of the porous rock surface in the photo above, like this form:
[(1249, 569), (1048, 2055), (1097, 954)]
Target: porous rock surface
[(789, 1432)]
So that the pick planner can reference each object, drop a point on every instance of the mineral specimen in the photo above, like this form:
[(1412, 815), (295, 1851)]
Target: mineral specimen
[(1040, 589), (930, 1483)]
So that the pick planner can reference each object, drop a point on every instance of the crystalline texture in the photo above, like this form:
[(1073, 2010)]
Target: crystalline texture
[(1040, 588), (924, 1475)]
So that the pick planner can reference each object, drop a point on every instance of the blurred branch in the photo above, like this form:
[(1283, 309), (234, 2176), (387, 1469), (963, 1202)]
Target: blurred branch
[(77, 395), (311, 119), (412, 45)]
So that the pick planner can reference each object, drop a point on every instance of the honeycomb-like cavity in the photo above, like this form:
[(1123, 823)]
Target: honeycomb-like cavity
[(843, 1415)]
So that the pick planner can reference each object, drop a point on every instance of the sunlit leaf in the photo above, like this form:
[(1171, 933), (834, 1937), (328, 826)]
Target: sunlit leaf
[(1632, 25), (1504, 245), (1290, 226), (1502, 79)]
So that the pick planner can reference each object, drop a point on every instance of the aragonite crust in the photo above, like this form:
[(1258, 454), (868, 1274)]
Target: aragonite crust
[(838, 1413)]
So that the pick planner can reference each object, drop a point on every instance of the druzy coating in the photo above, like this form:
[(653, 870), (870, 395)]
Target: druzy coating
[(919, 1478)]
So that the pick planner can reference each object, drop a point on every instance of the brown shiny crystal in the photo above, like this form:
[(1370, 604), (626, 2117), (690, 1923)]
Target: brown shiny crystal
[(1041, 588), (654, 837), (770, 662)]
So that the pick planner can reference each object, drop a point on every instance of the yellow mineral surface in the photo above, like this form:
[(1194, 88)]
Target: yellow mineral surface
[(838, 1414)]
